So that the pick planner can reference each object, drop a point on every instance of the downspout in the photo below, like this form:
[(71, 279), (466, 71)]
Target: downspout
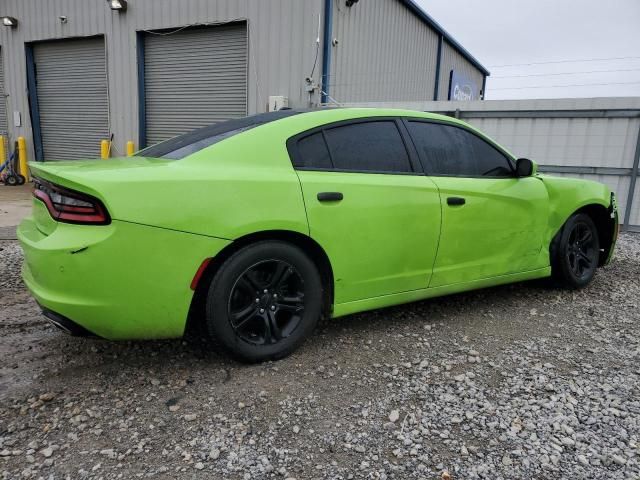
[(632, 186), (438, 62), (326, 50), (484, 87), (34, 105)]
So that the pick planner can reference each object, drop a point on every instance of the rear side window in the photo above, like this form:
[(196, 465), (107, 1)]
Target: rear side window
[(369, 146), (184, 145), (182, 152), (313, 152), (453, 151)]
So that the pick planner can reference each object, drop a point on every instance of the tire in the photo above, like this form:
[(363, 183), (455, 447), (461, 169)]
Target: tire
[(264, 301), (11, 180), (21, 179), (575, 252)]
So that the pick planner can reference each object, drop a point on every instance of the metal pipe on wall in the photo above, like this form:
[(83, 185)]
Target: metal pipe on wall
[(632, 185)]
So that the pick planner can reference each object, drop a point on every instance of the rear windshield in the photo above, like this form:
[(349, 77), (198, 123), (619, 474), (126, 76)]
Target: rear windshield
[(181, 146)]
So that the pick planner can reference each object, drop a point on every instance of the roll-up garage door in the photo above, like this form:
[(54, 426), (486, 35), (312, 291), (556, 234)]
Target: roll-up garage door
[(3, 104), (194, 78), (71, 83)]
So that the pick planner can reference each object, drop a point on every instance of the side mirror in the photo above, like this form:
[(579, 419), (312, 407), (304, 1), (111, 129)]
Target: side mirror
[(526, 167)]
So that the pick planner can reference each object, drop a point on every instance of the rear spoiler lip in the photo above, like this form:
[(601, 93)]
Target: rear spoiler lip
[(42, 172)]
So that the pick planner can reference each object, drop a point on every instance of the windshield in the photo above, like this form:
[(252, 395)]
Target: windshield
[(184, 145)]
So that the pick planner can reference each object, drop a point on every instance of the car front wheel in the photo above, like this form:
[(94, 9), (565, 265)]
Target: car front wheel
[(264, 301), (576, 252)]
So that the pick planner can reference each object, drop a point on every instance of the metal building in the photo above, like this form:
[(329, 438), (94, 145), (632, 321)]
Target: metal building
[(75, 72)]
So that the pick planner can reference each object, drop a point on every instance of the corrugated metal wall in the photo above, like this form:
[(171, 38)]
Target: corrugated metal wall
[(282, 35), (384, 52), (452, 60), (3, 110), (559, 143), (3, 103), (194, 78)]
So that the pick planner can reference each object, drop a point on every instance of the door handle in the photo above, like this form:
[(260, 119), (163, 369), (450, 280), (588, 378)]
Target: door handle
[(456, 201), (330, 196)]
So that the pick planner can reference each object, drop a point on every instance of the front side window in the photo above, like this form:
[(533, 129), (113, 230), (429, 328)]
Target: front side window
[(452, 151), (371, 146)]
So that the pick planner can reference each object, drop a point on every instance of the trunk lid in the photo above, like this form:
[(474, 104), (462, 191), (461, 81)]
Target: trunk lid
[(90, 177)]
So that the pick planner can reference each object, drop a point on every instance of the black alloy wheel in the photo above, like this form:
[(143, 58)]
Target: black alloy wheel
[(267, 302), (264, 301), (581, 251), (575, 252)]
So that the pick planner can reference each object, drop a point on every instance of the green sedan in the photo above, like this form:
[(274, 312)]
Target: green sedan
[(253, 230)]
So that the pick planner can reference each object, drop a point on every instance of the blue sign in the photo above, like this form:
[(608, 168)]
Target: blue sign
[(462, 88)]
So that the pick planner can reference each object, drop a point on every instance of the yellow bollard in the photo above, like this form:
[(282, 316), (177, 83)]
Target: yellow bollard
[(22, 158), (130, 148), (104, 149), (3, 152)]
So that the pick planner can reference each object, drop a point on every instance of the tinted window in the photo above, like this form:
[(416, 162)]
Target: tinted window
[(196, 146), (184, 145), (450, 150), (313, 153), (368, 146), (489, 161)]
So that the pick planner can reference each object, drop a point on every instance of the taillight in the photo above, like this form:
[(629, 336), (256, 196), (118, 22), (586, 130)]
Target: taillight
[(70, 206)]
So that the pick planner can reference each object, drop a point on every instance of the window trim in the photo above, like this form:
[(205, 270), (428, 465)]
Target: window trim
[(510, 160), (414, 162)]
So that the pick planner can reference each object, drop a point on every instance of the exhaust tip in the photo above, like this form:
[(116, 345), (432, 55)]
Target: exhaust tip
[(59, 325), (66, 325)]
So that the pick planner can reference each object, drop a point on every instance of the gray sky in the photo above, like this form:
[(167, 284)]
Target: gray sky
[(508, 32)]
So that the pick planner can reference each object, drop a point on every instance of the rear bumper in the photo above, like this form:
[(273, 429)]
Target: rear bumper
[(121, 281)]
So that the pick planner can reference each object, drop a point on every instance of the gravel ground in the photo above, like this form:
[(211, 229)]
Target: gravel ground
[(521, 381)]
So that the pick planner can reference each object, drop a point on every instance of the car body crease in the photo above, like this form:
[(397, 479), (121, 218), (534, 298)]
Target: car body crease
[(174, 230)]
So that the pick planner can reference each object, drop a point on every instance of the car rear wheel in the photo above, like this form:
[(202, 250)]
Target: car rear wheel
[(264, 301), (576, 252)]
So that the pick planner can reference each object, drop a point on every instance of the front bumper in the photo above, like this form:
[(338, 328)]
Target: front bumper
[(121, 281)]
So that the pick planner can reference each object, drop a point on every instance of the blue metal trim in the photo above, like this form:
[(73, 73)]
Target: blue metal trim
[(484, 87), (438, 62), (142, 108), (326, 49), (34, 107), (420, 13)]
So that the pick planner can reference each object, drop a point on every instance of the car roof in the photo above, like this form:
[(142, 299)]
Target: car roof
[(330, 114)]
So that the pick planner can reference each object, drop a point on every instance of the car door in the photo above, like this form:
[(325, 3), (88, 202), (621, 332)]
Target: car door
[(368, 205), (493, 223)]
